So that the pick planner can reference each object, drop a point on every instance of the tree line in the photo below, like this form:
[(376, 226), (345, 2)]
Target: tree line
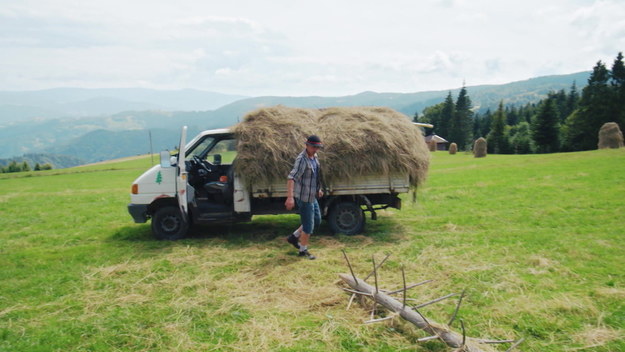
[(14, 166), (563, 121)]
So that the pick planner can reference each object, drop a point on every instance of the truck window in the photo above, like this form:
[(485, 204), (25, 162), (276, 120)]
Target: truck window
[(200, 148), (226, 148)]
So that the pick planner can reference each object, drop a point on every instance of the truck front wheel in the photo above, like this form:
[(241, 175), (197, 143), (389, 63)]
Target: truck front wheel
[(168, 224), (347, 218)]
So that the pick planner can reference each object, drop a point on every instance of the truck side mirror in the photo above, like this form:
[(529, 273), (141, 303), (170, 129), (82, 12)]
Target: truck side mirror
[(165, 161), (217, 159)]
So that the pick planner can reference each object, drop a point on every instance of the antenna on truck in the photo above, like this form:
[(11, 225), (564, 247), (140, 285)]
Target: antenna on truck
[(151, 153)]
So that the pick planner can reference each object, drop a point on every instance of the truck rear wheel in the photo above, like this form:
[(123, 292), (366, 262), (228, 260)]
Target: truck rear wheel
[(347, 218), (168, 224)]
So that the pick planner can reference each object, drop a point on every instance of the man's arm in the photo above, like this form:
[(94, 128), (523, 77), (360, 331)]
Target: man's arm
[(319, 185), (290, 202), (297, 172)]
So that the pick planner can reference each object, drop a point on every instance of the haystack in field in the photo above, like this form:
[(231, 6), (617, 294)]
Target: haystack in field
[(358, 141), (432, 145), (479, 148), (610, 136), (453, 148)]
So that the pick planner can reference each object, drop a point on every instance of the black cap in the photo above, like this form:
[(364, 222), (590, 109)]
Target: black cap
[(314, 141)]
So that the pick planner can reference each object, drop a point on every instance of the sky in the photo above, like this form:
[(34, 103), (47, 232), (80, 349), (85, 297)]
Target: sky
[(301, 48)]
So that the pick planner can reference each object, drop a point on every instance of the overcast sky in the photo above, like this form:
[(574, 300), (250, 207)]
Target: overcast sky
[(299, 48)]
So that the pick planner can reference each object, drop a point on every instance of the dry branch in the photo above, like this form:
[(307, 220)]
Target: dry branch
[(450, 338), (459, 342)]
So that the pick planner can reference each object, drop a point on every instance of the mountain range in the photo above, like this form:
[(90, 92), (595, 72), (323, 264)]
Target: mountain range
[(78, 102), (98, 124)]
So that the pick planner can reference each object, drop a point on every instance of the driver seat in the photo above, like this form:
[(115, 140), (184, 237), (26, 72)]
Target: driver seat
[(223, 189)]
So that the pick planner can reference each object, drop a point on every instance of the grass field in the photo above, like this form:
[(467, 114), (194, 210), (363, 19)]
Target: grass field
[(537, 241)]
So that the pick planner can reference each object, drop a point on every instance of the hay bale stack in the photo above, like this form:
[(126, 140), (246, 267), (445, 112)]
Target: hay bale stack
[(453, 148), (432, 145), (358, 141), (479, 148), (610, 136)]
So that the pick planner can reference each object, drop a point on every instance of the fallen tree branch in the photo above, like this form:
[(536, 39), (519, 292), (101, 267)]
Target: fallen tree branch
[(460, 342), (450, 338)]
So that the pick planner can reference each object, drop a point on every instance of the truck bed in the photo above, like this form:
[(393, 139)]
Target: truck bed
[(368, 184)]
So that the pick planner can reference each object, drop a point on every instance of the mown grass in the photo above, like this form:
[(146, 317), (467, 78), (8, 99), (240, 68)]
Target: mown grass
[(537, 242)]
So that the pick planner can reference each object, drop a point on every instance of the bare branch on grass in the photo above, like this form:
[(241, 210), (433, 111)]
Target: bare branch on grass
[(435, 300), (453, 316)]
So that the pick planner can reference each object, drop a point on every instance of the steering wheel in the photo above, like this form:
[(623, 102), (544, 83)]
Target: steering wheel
[(202, 164)]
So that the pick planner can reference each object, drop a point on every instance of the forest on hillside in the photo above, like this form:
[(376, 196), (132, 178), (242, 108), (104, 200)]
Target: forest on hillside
[(563, 121)]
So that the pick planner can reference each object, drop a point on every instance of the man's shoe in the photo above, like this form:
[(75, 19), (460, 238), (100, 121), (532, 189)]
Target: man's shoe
[(307, 255), (293, 240)]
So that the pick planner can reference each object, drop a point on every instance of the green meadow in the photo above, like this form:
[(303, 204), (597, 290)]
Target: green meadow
[(537, 241)]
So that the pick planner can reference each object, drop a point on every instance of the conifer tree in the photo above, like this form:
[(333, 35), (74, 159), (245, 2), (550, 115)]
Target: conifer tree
[(486, 123), (446, 122), (512, 116), (477, 119), (545, 127), (572, 100), (617, 80), (595, 109), (462, 121), (617, 76), (521, 141), (560, 104), (497, 142)]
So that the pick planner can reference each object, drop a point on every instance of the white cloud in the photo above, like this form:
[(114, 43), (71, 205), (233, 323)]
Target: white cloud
[(318, 47)]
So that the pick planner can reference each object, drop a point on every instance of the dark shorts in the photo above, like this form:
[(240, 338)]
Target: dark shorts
[(310, 215)]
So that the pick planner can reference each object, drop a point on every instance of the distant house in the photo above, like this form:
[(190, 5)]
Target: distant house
[(441, 143)]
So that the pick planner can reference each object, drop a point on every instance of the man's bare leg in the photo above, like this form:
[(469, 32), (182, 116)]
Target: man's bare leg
[(303, 246), (303, 239)]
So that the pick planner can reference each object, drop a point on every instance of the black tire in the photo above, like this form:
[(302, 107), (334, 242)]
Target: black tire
[(168, 224), (346, 218)]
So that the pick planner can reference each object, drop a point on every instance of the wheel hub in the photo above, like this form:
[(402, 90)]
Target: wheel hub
[(346, 219), (170, 223)]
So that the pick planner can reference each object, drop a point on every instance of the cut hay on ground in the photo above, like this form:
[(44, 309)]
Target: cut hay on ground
[(358, 141), (610, 136), (479, 148), (453, 148)]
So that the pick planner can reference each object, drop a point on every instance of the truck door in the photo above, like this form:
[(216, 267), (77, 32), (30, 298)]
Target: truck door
[(181, 178)]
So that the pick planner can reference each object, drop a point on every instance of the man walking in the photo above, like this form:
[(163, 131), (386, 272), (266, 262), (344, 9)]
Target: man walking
[(304, 187)]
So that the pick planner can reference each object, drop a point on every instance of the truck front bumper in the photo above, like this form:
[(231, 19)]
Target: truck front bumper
[(139, 212)]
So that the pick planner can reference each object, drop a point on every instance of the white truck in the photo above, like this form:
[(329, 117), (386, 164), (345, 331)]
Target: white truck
[(199, 185)]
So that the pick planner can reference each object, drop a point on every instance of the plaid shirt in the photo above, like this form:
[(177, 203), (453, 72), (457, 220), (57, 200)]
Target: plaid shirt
[(307, 181)]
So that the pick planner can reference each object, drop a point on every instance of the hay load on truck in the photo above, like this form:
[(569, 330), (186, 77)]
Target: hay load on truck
[(371, 156)]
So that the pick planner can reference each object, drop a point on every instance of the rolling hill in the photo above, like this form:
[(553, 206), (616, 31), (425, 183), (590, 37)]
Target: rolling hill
[(482, 96), (44, 135)]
